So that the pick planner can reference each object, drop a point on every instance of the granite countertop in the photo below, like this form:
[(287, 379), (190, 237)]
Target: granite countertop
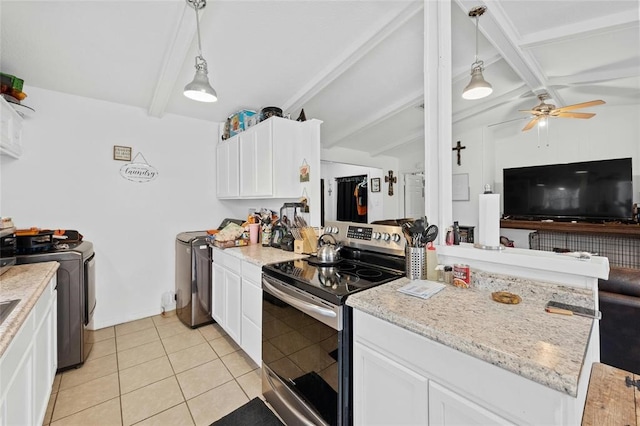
[(24, 282), (261, 256), (523, 338)]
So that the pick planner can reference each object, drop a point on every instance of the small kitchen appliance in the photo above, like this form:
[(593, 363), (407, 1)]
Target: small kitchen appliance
[(307, 327)]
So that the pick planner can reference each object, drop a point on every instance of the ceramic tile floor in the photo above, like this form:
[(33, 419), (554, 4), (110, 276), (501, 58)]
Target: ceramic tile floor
[(155, 371)]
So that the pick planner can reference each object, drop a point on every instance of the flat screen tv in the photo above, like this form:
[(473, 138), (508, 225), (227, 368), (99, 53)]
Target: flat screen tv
[(589, 191)]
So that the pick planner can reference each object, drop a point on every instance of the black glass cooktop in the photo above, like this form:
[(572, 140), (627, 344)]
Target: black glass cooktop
[(332, 282)]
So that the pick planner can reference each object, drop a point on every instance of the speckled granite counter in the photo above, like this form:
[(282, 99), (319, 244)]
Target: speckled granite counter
[(24, 282), (523, 338), (261, 256)]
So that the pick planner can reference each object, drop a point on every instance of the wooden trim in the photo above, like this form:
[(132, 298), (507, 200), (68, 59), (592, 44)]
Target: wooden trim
[(574, 228)]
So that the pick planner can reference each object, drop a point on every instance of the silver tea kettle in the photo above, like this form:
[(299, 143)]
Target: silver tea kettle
[(328, 253)]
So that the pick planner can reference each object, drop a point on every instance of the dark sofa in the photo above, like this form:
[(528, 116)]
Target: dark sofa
[(620, 324)]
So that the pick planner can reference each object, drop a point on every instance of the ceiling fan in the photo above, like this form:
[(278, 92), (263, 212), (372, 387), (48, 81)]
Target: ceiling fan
[(544, 110)]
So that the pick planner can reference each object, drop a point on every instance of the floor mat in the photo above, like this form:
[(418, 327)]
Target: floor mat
[(254, 412)]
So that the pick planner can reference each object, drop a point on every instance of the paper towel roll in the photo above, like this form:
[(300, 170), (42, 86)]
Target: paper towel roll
[(489, 220)]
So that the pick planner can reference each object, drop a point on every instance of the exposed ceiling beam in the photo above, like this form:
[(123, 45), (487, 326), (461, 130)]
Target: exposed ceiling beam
[(414, 137), (499, 30), (593, 77), (580, 30), (352, 55), (410, 101), (174, 59)]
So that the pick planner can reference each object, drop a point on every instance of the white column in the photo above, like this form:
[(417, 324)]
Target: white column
[(438, 119)]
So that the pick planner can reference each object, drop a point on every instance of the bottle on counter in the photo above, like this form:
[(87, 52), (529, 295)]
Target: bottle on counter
[(456, 234), (449, 238), (432, 263), (448, 275)]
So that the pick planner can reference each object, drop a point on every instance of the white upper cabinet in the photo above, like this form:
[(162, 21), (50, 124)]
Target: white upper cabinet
[(10, 130), (268, 157), (227, 169)]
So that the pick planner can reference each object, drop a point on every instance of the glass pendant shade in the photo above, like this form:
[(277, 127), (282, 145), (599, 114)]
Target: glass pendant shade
[(200, 89), (478, 87)]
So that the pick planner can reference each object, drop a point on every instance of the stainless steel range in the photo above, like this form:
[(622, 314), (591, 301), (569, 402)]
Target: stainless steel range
[(306, 326), (76, 297)]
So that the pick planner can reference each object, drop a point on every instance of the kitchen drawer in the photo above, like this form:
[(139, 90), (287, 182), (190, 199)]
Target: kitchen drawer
[(227, 261), (252, 272)]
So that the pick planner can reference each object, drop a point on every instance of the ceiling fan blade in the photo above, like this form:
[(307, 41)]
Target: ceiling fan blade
[(531, 124), (530, 111), (574, 114), (582, 105)]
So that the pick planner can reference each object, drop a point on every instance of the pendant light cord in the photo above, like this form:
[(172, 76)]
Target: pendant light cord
[(196, 6), (477, 19)]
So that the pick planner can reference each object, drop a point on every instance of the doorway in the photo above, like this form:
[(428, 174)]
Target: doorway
[(414, 206)]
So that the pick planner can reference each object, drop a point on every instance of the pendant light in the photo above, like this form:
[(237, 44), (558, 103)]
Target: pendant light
[(200, 89), (478, 87)]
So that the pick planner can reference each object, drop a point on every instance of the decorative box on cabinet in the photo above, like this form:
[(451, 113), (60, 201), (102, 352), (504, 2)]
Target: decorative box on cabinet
[(10, 130)]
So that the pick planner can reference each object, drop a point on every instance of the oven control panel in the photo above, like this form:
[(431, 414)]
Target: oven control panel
[(382, 238), (359, 232)]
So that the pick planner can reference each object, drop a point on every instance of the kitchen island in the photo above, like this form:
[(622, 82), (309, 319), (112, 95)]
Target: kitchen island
[(460, 356)]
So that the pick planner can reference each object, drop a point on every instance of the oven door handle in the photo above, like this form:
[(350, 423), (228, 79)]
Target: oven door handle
[(299, 416), (296, 302)]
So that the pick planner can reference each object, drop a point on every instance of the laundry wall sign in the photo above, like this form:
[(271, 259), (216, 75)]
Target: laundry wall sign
[(139, 171)]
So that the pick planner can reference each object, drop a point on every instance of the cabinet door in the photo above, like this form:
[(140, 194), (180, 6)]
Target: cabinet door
[(252, 319), (10, 130), (234, 306), (256, 156), (218, 294), (448, 408), (385, 392), (227, 168)]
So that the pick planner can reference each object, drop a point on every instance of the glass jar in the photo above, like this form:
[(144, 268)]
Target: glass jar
[(448, 274)]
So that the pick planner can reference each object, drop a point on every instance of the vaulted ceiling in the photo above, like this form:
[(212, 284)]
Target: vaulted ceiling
[(355, 65)]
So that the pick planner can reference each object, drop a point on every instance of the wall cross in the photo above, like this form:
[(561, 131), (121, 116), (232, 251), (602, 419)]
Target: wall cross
[(458, 147), (391, 179)]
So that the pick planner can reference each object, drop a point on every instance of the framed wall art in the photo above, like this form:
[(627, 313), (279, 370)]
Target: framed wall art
[(375, 184), (122, 153)]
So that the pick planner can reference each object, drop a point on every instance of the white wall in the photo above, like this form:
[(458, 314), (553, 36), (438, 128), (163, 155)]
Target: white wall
[(67, 179), (392, 206), (375, 200), (612, 133)]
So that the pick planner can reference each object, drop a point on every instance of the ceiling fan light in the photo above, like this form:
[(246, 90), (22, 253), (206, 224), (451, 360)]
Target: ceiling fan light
[(478, 87), (200, 89)]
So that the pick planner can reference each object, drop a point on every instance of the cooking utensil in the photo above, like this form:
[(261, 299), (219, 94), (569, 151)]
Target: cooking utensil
[(406, 230), (328, 252), (430, 234)]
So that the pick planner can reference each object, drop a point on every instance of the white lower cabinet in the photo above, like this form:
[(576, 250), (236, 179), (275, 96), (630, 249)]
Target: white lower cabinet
[(28, 366), (226, 293), (402, 378), (449, 408), (376, 378), (237, 301), (252, 311)]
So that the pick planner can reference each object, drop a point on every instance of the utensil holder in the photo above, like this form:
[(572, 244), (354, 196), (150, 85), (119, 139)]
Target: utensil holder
[(416, 263)]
